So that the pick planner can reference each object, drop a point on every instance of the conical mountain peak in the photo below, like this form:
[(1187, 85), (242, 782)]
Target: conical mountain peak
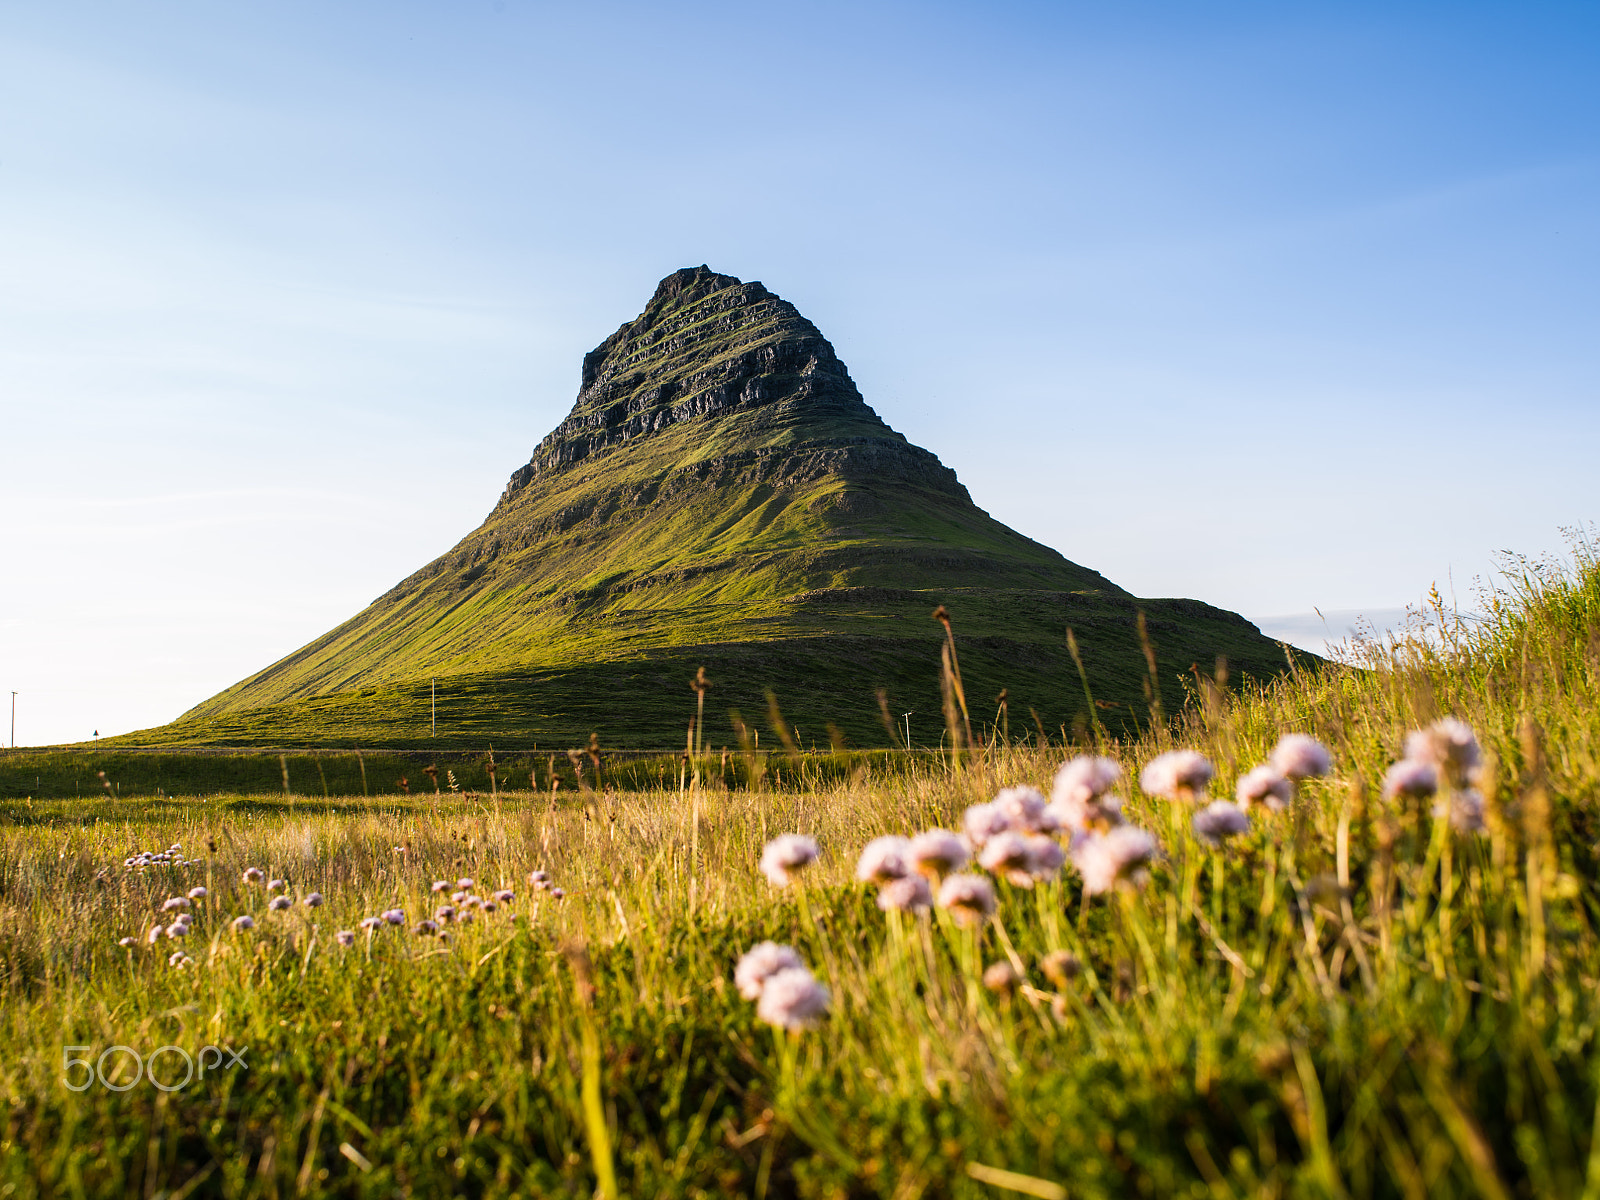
[(721, 496), (707, 345)]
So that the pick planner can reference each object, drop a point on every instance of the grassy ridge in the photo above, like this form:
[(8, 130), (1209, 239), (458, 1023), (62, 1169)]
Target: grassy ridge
[(1234, 1030)]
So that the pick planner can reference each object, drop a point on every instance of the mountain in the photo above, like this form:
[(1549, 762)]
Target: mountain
[(721, 496)]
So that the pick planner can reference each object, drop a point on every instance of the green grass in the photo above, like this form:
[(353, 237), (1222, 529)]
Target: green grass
[(1234, 1031)]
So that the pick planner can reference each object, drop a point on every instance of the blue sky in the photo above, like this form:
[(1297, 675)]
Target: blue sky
[(1281, 306)]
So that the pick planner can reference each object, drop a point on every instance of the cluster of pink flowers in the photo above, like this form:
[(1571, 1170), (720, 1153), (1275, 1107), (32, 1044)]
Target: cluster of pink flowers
[(1444, 756), (787, 995)]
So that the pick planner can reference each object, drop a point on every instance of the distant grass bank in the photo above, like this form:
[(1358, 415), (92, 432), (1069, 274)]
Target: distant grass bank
[(74, 775)]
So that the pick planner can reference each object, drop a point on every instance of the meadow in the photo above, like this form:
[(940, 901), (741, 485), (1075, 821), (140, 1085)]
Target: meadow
[(1368, 993)]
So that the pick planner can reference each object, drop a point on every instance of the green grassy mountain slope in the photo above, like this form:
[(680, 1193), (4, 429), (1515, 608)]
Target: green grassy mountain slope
[(720, 495)]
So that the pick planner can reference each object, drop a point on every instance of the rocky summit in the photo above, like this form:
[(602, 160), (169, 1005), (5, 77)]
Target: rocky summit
[(721, 496)]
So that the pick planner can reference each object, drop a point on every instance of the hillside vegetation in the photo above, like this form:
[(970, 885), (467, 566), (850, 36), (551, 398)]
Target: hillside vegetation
[(1352, 997)]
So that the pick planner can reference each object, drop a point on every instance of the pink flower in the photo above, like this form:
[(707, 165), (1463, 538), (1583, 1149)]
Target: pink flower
[(1106, 859), (253, 875), (1025, 810), (1466, 812), (759, 963), (910, 893), (174, 904), (177, 930), (1300, 756), (505, 896), (240, 924), (786, 854), (198, 893), (279, 903), (1265, 785), (937, 852), (1409, 777), (314, 900), (1219, 821), (792, 999), (1080, 798), (883, 858), (345, 937), (1448, 744), (395, 916), (1045, 857), (984, 821), (1007, 854), (371, 923), (440, 885), (1177, 775), (968, 898), (425, 928)]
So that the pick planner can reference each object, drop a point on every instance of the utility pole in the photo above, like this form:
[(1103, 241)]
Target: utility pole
[(433, 709), (13, 720), (908, 717)]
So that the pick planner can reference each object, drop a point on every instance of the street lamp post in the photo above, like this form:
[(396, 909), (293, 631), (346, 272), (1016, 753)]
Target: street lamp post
[(908, 717), (13, 720)]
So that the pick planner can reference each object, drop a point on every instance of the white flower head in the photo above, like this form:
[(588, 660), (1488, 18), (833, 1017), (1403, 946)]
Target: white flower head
[(1119, 856), (198, 893), (792, 999), (127, 942), (1265, 785), (1219, 821), (1178, 775), (937, 852), (240, 924), (1408, 777), (371, 923), (1449, 745), (786, 854), (440, 885), (968, 898), (465, 884), (983, 821), (1301, 756), (759, 963), (884, 858), (157, 932), (909, 893)]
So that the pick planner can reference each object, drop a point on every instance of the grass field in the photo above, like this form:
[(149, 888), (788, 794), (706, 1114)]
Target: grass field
[(1351, 998)]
